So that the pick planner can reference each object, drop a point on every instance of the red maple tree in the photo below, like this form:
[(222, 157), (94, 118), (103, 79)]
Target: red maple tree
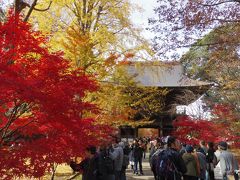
[(222, 127), (191, 131), (42, 107)]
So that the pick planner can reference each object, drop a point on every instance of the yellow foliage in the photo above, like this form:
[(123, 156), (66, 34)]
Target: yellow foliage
[(95, 35), (107, 24)]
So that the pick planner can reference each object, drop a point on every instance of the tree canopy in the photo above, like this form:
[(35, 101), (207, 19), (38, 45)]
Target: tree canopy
[(224, 126), (89, 31), (98, 37), (204, 62), (181, 23), (43, 115), (211, 30)]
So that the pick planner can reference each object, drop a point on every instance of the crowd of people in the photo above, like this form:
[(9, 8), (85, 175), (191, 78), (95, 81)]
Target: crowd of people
[(107, 162), (168, 159), (172, 160)]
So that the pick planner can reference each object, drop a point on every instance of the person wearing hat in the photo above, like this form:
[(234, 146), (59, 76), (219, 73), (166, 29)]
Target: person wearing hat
[(191, 164), (228, 162)]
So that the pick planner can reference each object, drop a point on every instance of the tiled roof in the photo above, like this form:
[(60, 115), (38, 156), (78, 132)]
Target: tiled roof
[(161, 75)]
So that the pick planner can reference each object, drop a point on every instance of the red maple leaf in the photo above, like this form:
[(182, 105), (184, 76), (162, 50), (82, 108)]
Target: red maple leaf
[(41, 104)]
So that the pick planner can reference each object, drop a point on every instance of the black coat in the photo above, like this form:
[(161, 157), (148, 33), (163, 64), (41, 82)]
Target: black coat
[(210, 155), (137, 152), (102, 169), (89, 168)]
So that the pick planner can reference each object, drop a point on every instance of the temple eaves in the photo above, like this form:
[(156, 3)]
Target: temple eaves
[(161, 74)]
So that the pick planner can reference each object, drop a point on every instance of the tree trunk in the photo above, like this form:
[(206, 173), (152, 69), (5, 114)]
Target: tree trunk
[(54, 168)]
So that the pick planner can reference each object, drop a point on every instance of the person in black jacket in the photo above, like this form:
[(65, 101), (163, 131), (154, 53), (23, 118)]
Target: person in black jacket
[(89, 165), (105, 170), (211, 160), (137, 156)]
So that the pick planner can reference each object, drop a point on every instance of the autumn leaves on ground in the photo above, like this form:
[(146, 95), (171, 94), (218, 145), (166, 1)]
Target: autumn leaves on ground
[(63, 85)]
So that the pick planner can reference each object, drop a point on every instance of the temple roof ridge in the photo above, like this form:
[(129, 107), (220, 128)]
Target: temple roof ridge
[(161, 74)]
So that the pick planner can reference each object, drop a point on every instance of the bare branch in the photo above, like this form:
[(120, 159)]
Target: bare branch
[(20, 5), (10, 119), (32, 7), (206, 44), (10, 134), (117, 32), (219, 3), (30, 10), (100, 8), (17, 111), (42, 10)]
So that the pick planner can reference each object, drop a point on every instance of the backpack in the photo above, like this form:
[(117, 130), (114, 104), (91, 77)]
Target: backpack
[(165, 166), (154, 160), (108, 163), (125, 161)]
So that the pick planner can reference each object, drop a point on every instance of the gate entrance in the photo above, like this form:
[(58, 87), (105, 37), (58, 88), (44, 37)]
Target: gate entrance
[(148, 132)]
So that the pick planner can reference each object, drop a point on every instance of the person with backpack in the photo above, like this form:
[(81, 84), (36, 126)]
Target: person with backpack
[(106, 170), (170, 165), (201, 157), (153, 159), (192, 164)]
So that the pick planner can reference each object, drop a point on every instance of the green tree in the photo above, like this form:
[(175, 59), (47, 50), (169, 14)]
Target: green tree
[(217, 62)]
